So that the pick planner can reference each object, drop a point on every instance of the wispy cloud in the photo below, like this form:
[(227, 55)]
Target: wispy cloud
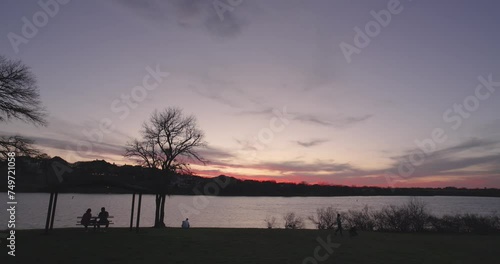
[(312, 143), (215, 95), (221, 90), (101, 150), (470, 162), (268, 111), (471, 157), (336, 121), (340, 121), (188, 14), (246, 144), (79, 141), (150, 9), (299, 166), (212, 153)]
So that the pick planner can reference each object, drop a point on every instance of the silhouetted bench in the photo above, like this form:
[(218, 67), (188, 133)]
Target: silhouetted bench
[(94, 222)]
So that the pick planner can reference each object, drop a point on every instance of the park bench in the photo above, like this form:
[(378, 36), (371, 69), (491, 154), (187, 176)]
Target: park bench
[(94, 221)]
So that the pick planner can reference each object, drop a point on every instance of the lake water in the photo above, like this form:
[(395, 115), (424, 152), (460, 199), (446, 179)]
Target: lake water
[(212, 211)]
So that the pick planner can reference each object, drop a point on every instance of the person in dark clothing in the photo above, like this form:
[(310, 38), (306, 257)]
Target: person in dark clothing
[(339, 225), (86, 218), (185, 224), (103, 218)]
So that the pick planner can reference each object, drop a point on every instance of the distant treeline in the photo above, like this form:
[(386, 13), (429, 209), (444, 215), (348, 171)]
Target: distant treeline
[(99, 176)]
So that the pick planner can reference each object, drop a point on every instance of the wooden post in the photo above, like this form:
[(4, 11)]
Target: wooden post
[(138, 213), (49, 211), (132, 213), (53, 211)]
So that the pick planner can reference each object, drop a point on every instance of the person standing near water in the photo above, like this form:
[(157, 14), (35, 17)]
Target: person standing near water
[(339, 225)]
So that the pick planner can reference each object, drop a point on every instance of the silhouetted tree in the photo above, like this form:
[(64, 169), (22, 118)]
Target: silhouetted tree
[(169, 141), (22, 146), (19, 99)]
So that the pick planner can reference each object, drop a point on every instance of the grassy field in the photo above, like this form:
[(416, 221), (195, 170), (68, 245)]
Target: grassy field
[(247, 246)]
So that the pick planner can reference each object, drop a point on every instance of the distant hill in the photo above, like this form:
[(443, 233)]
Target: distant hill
[(100, 176)]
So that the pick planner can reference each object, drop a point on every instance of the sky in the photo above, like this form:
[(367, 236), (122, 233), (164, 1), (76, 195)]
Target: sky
[(379, 93)]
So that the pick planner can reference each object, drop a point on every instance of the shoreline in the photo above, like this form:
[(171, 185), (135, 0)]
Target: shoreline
[(274, 196)]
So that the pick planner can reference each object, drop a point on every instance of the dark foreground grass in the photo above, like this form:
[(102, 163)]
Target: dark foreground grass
[(199, 245)]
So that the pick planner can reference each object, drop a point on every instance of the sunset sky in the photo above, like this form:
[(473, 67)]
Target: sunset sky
[(271, 87)]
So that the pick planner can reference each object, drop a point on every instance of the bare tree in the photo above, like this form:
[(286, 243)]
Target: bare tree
[(144, 152), (19, 99), (22, 146), (169, 141)]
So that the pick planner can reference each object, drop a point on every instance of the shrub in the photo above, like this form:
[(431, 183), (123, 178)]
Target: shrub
[(362, 220), (392, 218), (446, 223), (271, 222), (325, 218), (410, 217), (292, 221), (418, 214), (479, 224)]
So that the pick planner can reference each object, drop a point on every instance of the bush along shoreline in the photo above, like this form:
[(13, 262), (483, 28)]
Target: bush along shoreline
[(411, 217)]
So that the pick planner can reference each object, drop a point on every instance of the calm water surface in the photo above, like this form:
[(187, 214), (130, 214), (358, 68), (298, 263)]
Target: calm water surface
[(211, 211)]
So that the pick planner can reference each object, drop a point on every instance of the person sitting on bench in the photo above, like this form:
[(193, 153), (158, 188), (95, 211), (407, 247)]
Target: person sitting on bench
[(103, 218), (86, 219)]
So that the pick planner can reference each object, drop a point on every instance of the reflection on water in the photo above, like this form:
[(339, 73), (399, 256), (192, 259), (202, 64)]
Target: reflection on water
[(209, 211)]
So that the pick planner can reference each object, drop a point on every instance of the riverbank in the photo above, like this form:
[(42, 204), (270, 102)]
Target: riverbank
[(214, 245)]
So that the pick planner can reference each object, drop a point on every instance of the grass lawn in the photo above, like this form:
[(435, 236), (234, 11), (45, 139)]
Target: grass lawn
[(203, 245)]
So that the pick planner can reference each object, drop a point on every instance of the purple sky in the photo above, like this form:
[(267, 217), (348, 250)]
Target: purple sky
[(430, 76)]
